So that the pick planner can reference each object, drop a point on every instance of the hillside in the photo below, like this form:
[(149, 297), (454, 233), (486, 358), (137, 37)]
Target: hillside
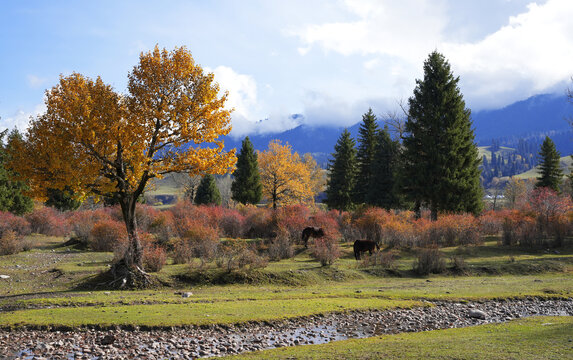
[(566, 163), (531, 120)]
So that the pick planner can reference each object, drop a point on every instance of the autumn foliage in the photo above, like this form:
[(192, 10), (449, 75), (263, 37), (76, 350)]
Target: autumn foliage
[(95, 141)]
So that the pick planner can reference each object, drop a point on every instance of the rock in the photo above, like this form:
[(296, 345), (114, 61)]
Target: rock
[(477, 314), (187, 294), (107, 340), (4, 277)]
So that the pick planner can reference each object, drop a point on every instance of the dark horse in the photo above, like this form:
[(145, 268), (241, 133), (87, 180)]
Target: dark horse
[(311, 231), (361, 246)]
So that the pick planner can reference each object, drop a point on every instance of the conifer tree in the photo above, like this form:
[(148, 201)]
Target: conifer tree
[(247, 187), (382, 189), (207, 192), (367, 138), (12, 196), (342, 173), (550, 172), (440, 158)]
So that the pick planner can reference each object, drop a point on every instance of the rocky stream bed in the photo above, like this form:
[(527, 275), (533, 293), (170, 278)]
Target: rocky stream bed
[(193, 342)]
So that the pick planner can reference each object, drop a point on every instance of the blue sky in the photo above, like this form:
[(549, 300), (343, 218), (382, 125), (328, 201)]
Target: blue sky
[(328, 60)]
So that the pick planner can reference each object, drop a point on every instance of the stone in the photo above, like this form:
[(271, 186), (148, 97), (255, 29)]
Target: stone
[(477, 314), (4, 276), (187, 294)]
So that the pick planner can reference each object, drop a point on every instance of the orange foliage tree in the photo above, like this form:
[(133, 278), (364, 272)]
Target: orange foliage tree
[(286, 177), (101, 143)]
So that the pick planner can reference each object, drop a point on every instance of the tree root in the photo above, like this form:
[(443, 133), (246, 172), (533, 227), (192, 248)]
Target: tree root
[(126, 277)]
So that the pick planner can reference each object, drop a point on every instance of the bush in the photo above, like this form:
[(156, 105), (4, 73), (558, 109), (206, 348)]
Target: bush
[(258, 220), (163, 227), (291, 220), (154, 257), (519, 228), (48, 221), (383, 259), (232, 224), (11, 222), (9, 243), (107, 235), (429, 261), (490, 223), (458, 264), (369, 222), (453, 230), (281, 248), (196, 239), (81, 223), (235, 254), (325, 250)]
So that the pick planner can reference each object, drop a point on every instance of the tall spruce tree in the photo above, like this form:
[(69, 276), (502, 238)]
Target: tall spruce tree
[(342, 173), (12, 197), (367, 138), (247, 187), (550, 173), (382, 190), (440, 157), (207, 192)]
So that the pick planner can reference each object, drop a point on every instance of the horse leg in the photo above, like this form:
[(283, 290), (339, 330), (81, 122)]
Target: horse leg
[(357, 254)]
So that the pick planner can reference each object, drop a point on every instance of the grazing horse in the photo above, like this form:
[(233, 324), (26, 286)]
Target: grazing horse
[(361, 246), (311, 231)]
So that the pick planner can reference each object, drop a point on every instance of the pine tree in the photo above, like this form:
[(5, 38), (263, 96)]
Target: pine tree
[(12, 196), (62, 200), (441, 159), (246, 187), (367, 138), (207, 192), (382, 190), (550, 173), (342, 169)]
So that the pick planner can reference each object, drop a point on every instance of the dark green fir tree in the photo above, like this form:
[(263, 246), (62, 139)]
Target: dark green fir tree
[(441, 161), (367, 138), (550, 173), (383, 190), (207, 192), (12, 197), (247, 187), (342, 173), (62, 200)]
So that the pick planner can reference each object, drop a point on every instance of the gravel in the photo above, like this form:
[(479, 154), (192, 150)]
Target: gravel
[(185, 343)]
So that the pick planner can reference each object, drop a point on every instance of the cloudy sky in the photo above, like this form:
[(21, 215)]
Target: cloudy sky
[(326, 59)]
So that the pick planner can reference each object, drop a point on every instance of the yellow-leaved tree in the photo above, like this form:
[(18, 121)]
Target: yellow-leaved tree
[(98, 142), (286, 178)]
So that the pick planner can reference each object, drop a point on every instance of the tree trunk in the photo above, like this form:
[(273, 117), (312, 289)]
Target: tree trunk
[(417, 210), (128, 272), (433, 212)]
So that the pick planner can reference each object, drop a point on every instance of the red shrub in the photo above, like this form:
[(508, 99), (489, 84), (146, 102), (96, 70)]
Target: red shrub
[(519, 228), (329, 222), (232, 223), (197, 239), (258, 221), (107, 235), (81, 223), (291, 220), (163, 227), (10, 243), (453, 230), (154, 257), (369, 222), (11, 222), (48, 221), (325, 250), (490, 223)]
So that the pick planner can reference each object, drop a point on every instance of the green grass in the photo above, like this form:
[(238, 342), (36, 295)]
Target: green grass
[(532, 338), (193, 312), (44, 286)]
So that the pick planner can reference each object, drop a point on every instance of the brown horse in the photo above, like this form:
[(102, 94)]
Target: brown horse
[(361, 246), (311, 231)]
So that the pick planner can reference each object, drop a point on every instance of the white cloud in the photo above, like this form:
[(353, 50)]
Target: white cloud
[(405, 29), (529, 53), (36, 82), (21, 118), (242, 97)]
